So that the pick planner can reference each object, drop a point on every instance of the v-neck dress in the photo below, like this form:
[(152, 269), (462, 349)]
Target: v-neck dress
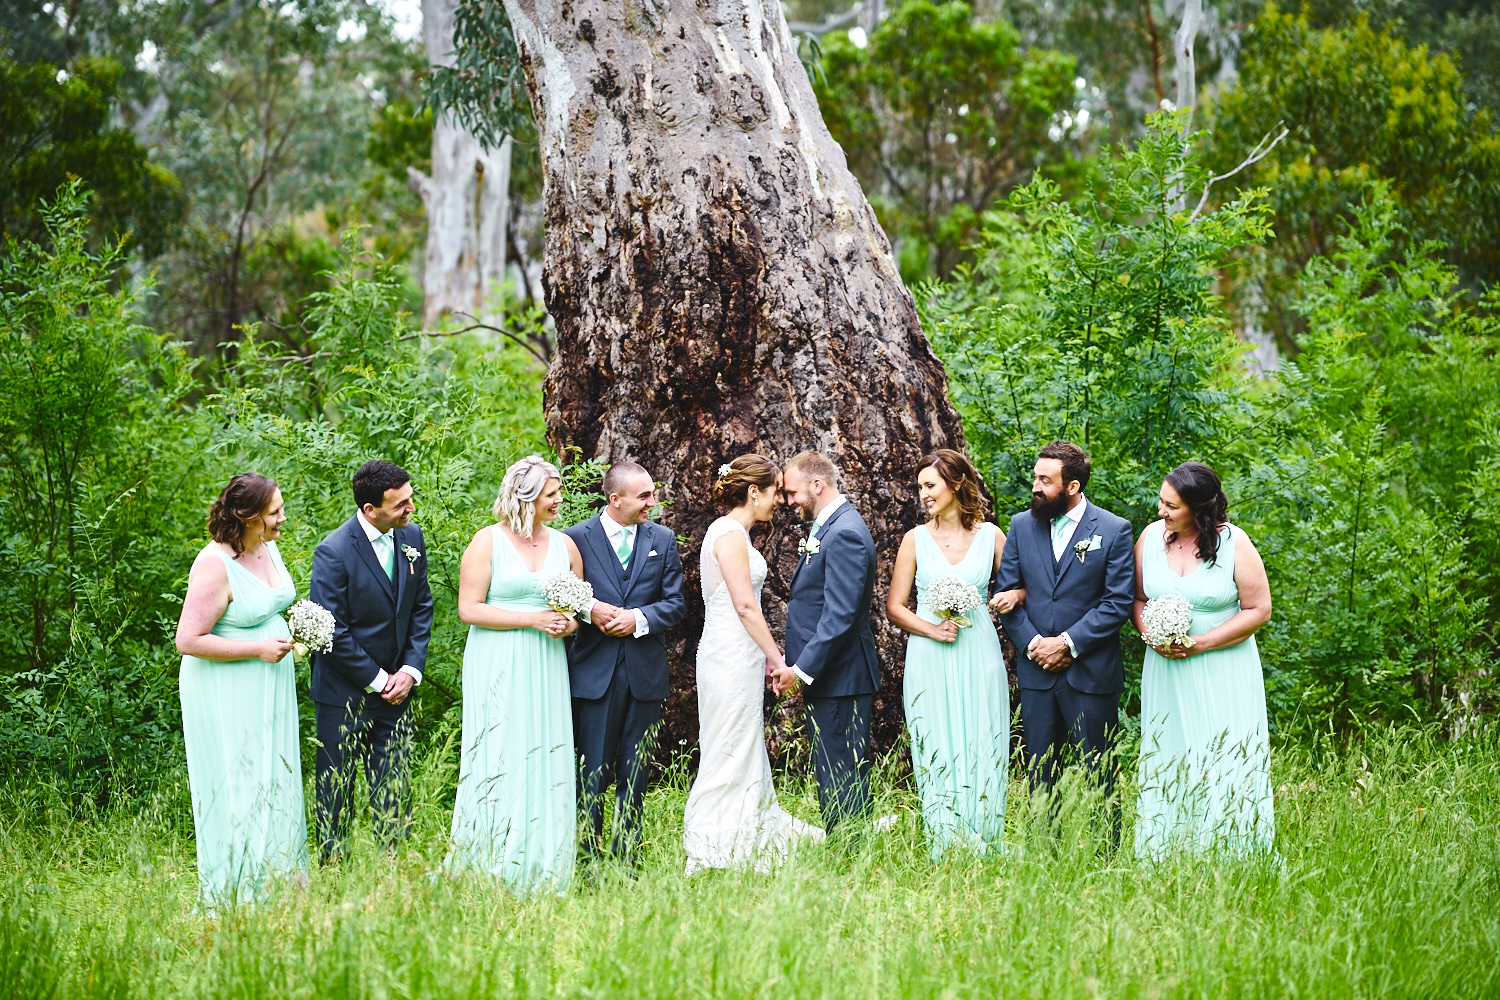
[(1205, 767), (515, 817), (239, 724), (957, 701)]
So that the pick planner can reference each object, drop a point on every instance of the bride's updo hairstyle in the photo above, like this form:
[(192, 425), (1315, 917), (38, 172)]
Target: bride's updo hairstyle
[(732, 488), (1199, 488), (962, 478), (244, 500), (523, 483)]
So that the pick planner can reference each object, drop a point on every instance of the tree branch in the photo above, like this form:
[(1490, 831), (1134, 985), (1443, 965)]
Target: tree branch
[(1260, 152), (530, 347)]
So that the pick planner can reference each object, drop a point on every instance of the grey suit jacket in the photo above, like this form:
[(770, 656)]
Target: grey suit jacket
[(828, 634), (1088, 599)]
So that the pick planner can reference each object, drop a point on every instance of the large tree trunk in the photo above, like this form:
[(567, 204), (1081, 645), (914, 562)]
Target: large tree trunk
[(719, 283), (467, 199)]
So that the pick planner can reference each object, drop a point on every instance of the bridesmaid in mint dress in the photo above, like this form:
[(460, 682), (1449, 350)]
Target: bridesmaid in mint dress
[(956, 694), (239, 700), (516, 816), (1205, 768)]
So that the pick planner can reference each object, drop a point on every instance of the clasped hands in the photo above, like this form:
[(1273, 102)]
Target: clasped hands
[(618, 622), (1050, 653), (397, 687)]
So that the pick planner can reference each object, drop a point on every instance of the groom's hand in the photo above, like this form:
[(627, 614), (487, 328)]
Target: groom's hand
[(784, 680), (622, 625)]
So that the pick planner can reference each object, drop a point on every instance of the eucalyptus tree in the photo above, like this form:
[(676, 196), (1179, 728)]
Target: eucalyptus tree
[(718, 281)]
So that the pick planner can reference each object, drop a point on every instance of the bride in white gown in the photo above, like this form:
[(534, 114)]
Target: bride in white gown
[(732, 819)]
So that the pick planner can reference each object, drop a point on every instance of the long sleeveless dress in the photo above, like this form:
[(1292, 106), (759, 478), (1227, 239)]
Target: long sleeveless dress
[(239, 724), (516, 817), (957, 701), (1205, 768), (732, 818)]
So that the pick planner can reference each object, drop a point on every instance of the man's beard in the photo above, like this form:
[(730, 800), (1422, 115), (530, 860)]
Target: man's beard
[(806, 512), (1046, 509)]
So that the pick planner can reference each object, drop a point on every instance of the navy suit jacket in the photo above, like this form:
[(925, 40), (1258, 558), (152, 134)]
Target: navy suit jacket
[(1089, 600), (828, 634), (653, 584), (379, 623)]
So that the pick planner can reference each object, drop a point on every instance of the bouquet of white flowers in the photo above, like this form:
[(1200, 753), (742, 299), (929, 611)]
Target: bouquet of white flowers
[(1168, 619), (312, 628), (565, 593), (950, 597)]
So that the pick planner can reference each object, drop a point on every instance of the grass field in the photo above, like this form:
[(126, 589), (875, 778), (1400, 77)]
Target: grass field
[(1386, 886)]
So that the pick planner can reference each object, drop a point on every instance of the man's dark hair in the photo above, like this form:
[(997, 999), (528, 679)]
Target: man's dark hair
[(618, 474), (374, 478), (1075, 462)]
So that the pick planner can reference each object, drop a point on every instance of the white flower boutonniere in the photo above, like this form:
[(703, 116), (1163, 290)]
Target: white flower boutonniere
[(810, 547), (1086, 546), (412, 554), (724, 469)]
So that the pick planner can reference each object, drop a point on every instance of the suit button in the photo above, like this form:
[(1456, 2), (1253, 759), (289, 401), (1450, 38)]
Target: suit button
[(1054, 598)]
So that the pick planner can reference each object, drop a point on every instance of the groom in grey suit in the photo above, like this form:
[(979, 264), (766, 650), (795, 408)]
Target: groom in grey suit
[(1077, 564), (829, 645), (618, 666)]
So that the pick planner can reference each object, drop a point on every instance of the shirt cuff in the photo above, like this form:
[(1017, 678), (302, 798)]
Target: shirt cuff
[(586, 612), (641, 625), (1071, 648), (416, 675), (806, 680), (1032, 644), (378, 684)]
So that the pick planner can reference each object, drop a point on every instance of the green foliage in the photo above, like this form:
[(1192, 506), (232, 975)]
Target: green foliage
[(940, 115), (1362, 105), (1097, 322), (485, 87), (1383, 886), (98, 451), (56, 124)]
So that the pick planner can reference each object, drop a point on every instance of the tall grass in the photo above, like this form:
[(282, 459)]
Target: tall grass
[(1385, 886)]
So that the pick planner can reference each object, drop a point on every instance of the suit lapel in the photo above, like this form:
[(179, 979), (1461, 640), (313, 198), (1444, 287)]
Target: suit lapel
[(599, 541), (802, 558), (367, 553), (1082, 533), (397, 577)]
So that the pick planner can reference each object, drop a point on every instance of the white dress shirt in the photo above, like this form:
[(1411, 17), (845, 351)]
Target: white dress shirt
[(1060, 540), (373, 534), (614, 532), (820, 520)]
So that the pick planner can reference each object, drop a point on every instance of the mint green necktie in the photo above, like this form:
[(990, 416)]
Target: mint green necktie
[(813, 530), (1058, 523), (388, 555), (624, 550)]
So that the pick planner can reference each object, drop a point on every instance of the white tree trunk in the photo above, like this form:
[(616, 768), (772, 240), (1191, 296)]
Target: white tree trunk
[(468, 201)]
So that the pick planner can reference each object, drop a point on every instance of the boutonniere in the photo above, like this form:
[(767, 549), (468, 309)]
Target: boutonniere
[(810, 547), (1082, 548), (412, 554)]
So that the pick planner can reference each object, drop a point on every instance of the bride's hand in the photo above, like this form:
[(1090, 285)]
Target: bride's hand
[(775, 664)]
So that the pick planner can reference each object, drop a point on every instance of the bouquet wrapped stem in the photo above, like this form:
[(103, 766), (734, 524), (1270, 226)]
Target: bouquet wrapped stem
[(951, 598)]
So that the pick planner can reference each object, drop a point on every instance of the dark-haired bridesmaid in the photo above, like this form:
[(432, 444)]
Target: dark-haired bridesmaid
[(1205, 767), (956, 693), (239, 700)]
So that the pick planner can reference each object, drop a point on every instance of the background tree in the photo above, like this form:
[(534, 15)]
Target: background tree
[(940, 116)]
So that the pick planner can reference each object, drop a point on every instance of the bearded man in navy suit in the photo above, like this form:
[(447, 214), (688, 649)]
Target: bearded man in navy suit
[(371, 575), (1076, 562), (617, 662)]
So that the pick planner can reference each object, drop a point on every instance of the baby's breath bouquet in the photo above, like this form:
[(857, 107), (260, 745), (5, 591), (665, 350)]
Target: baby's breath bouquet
[(951, 597), (312, 628), (1168, 619), (565, 593)]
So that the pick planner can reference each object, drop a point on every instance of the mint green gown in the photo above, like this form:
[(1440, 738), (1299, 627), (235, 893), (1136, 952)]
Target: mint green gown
[(516, 816), (239, 723), (1205, 768), (957, 700)]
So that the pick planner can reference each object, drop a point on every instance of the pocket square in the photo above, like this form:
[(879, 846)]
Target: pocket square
[(1095, 542), (650, 554)]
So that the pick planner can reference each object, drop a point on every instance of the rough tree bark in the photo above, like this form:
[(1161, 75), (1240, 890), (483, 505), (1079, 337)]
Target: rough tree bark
[(467, 199), (718, 281)]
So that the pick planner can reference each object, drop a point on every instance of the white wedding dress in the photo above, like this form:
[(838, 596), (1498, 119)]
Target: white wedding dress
[(732, 818)]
